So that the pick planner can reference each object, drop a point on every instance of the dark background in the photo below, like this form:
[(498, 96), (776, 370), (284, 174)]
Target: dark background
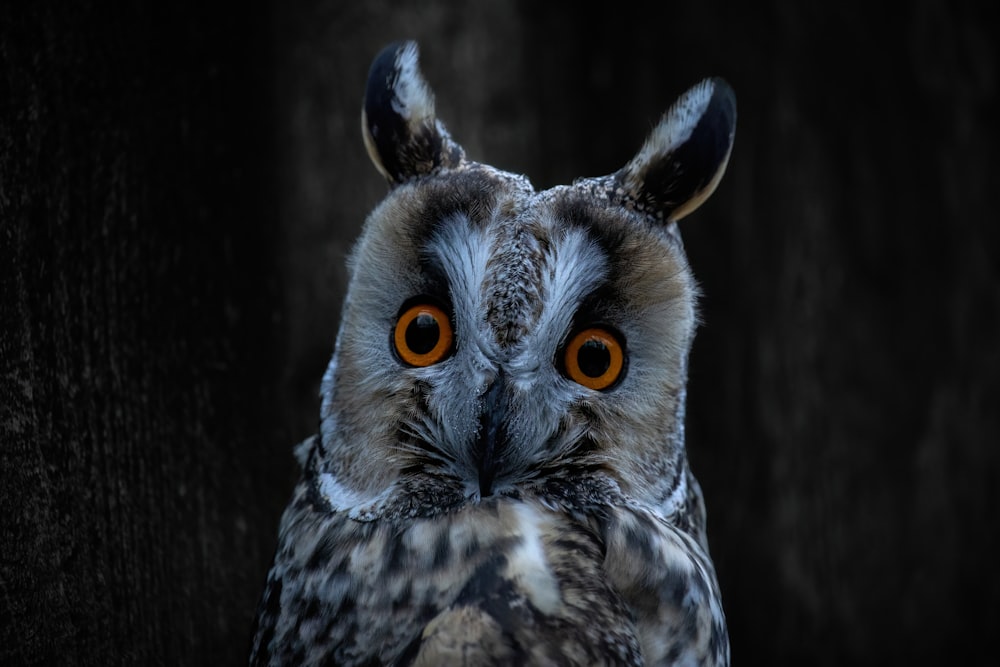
[(180, 182)]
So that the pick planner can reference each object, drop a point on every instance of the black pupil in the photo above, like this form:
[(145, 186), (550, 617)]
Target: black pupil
[(422, 334), (593, 358)]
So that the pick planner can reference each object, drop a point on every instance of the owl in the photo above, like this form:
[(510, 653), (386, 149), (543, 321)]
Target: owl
[(499, 475)]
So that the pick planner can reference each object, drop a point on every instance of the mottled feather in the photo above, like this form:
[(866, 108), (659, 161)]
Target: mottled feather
[(516, 497)]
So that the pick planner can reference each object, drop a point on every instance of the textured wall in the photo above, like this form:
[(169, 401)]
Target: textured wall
[(178, 189), (140, 415)]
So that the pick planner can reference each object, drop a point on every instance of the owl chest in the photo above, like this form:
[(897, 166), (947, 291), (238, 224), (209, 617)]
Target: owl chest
[(423, 565), (515, 571)]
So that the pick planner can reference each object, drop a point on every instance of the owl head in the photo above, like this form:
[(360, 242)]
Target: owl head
[(497, 340)]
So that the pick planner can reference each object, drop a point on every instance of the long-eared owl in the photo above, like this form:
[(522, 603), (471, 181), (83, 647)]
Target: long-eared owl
[(499, 475)]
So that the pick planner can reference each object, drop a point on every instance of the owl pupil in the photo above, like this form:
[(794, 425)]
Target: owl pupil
[(593, 358), (422, 334)]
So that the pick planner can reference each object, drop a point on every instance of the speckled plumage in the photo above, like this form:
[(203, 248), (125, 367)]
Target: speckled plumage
[(487, 508)]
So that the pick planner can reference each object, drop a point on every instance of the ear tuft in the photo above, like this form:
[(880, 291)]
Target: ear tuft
[(684, 157), (403, 136)]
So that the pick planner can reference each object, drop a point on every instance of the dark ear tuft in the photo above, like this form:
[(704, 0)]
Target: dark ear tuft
[(402, 135), (685, 156)]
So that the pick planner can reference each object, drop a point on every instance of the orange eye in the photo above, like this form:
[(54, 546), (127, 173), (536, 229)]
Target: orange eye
[(595, 358), (423, 335)]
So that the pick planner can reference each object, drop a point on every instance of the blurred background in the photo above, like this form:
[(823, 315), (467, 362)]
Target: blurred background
[(180, 184)]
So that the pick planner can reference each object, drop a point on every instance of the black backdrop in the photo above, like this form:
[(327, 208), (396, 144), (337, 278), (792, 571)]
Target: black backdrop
[(179, 185)]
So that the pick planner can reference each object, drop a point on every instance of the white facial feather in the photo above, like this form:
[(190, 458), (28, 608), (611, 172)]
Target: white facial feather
[(464, 252), (573, 269)]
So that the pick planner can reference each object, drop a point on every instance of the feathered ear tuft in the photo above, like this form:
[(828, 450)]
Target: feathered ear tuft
[(684, 157), (402, 135)]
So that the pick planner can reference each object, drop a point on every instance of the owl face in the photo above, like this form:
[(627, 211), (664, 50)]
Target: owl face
[(496, 340)]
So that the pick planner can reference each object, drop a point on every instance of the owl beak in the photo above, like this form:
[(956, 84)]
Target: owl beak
[(492, 438)]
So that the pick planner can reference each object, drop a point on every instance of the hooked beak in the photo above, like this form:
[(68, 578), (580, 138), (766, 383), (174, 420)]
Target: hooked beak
[(492, 438)]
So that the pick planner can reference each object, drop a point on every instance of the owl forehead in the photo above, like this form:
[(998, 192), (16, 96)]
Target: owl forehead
[(513, 287), (501, 251)]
